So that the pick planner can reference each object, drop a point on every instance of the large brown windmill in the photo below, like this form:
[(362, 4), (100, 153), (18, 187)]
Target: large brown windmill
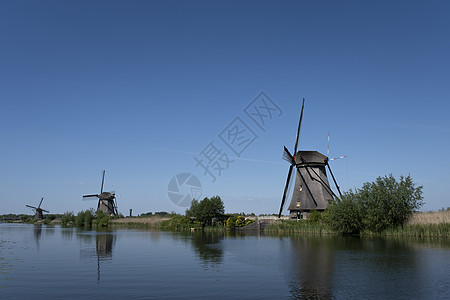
[(311, 190), (38, 210), (107, 202)]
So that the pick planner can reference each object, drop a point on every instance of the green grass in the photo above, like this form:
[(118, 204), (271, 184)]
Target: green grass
[(301, 226), (441, 230)]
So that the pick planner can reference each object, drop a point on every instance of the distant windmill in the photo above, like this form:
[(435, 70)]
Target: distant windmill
[(38, 210), (311, 190), (107, 202)]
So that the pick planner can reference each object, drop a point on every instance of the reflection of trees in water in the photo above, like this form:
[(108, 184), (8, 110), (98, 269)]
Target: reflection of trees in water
[(155, 236), (311, 267), (67, 233), (392, 263), (205, 245), (317, 263)]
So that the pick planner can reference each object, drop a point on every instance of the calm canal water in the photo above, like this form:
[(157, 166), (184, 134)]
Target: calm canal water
[(48, 262)]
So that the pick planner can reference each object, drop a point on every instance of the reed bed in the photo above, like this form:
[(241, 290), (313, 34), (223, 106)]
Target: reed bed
[(433, 217), (441, 230), (298, 227), (148, 220)]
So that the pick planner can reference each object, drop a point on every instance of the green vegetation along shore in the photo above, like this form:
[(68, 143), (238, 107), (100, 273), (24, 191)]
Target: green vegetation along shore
[(385, 207)]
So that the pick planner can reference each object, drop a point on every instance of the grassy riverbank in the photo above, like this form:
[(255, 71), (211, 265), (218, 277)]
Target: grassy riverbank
[(430, 224), (300, 226)]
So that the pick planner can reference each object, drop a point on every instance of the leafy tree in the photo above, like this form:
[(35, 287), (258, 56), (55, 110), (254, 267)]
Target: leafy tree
[(207, 209), (161, 213), (67, 219), (377, 206), (84, 218), (315, 217), (190, 212), (102, 219), (387, 203), (345, 215)]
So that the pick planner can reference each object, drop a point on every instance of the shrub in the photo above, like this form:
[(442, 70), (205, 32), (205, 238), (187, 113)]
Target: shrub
[(68, 219), (344, 215), (231, 222), (387, 203), (240, 221), (377, 206), (237, 221), (84, 219), (315, 217), (102, 219)]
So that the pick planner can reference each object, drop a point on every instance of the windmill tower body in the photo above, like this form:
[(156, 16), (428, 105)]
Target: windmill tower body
[(38, 215), (107, 206), (312, 189)]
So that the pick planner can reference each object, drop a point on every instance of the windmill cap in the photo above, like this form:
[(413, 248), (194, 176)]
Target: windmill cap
[(313, 157)]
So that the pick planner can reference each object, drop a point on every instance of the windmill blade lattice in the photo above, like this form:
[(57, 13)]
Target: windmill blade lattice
[(291, 159)]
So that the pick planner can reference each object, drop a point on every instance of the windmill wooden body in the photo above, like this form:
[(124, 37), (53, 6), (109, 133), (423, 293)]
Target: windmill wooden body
[(38, 210), (312, 190), (107, 202)]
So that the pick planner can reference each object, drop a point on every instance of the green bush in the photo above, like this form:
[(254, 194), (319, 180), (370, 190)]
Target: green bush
[(178, 222), (240, 221), (377, 206), (344, 215), (231, 222), (315, 217), (102, 219), (68, 219), (84, 219), (237, 221), (387, 203)]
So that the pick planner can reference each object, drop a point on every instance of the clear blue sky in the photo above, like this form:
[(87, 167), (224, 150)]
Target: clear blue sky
[(140, 88)]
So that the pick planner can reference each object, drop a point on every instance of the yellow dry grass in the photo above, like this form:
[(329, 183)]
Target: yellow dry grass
[(149, 220), (433, 217)]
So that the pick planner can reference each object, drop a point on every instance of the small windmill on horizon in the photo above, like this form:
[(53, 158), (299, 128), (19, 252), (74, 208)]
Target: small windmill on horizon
[(38, 210), (311, 189)]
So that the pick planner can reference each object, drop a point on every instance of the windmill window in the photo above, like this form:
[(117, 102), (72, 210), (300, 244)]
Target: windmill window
[(301, 187), (298, 204)]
